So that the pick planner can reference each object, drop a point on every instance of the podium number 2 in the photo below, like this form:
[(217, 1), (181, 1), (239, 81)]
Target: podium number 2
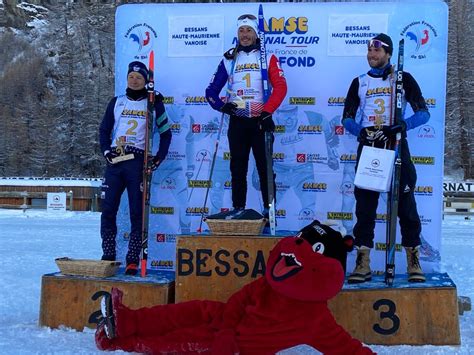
[(390, 314)]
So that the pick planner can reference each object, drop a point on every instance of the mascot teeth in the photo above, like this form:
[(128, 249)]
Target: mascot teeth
[(290, 257), (287, 265)]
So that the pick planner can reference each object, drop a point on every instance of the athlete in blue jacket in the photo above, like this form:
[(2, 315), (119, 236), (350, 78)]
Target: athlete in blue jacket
[(368, 115), (124, 126)]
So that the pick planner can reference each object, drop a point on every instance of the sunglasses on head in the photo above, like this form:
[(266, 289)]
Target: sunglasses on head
[(376, 43), (250, 17)]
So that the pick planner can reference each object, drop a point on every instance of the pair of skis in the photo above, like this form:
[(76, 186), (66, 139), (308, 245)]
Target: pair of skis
[(147, 162), (393, 195)]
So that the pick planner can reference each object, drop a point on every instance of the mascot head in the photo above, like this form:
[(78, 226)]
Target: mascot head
[(311, 265)]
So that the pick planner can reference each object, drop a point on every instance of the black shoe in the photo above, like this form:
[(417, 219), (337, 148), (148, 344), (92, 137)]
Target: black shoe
[(131, 269), (108, 319), (236, 211), (108, 257)]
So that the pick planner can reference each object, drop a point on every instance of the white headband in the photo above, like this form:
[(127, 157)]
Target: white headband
[(248, 22)]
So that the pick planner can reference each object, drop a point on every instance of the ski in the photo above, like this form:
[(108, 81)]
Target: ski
[(147, 161), (268, 135), (393, 195)]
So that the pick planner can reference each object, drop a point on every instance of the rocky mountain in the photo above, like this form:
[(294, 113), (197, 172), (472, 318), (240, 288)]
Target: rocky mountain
[(57, 77)]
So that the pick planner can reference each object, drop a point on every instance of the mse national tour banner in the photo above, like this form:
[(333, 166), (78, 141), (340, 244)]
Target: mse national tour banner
[(321, 48)]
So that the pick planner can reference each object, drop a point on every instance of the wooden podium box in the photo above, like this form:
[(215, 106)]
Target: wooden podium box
[(406, 313), (214, 267), (74, 301)]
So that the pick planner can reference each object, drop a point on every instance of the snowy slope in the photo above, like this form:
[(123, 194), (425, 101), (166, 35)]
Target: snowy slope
[(29, 243)]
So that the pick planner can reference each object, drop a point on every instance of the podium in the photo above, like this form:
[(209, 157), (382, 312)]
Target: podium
[(214, 267), (74, 301), (406, 313)]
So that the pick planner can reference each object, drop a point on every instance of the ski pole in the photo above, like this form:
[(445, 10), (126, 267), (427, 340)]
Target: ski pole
[(204, 154), (209, 181), (221, 124)]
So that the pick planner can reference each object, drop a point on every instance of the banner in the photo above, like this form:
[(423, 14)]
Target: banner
[(321, 47)]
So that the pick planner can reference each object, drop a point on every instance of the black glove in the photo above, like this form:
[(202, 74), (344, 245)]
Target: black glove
[(155, 163), (391, 131), (109, 156), (396, 128), (369, 135), (380, 134), (265, 122), (229, 108)]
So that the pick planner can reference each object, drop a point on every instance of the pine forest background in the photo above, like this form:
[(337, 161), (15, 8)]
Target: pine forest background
[(57, 76)]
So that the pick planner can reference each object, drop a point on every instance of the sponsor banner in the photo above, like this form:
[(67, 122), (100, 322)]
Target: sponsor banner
[(466, 186), (302, 100), (321, 48)]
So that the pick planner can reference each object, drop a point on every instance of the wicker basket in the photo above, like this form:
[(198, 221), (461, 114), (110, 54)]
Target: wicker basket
[(84, 267), (236, 226)]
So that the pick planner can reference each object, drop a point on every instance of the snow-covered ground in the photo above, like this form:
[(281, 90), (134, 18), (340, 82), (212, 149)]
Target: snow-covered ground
[(30, 241)]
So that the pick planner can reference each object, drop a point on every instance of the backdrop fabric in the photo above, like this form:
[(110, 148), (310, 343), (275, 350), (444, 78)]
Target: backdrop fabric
[(321, 48)]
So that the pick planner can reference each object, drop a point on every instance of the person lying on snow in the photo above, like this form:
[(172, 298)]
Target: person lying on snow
[(284, 308)]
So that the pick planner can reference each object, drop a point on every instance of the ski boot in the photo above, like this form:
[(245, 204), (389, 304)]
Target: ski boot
[(108, 320), (131, 269)]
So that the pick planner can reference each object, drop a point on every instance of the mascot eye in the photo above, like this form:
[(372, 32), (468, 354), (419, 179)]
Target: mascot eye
[(318, 248)]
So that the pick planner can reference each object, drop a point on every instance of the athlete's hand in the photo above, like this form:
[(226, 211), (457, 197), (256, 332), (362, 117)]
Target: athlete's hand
[(390, 131), (370, 135), (266, 123), (229, 108), (109, 156), (155, 163), (394, 129)]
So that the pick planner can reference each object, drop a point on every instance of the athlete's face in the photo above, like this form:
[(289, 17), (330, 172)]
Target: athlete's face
[(135, 81), (377, 57), (247, 36)]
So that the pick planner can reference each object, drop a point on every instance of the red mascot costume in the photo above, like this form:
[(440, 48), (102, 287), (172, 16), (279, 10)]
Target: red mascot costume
[(285, 308)]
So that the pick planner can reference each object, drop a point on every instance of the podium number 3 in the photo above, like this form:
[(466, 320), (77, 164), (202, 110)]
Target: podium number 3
[(390, 314)]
